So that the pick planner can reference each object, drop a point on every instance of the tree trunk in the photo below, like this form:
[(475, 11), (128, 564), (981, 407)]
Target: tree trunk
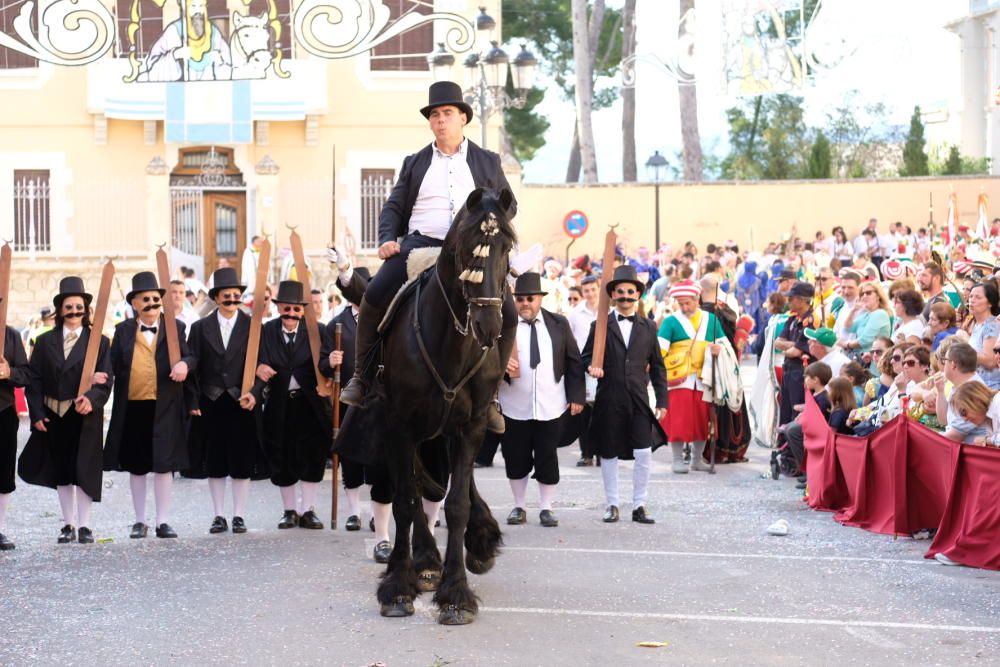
[(573, 168), (584, 90), (629, 174), (688, 100)]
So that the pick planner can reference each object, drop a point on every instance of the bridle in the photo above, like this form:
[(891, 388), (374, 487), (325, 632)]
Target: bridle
[(249, 54)]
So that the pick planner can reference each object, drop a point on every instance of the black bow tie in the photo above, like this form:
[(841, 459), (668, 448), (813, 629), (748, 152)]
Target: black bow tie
[(630, 318), (143, 327)]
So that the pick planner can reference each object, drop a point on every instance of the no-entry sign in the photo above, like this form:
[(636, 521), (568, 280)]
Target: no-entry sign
[(575, 224)]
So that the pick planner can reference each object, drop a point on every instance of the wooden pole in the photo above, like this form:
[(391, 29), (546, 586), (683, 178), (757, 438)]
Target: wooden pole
[(604, 304), (5, 256), (312, 325), (97, 327), (169, 316), (256, 317), (335, 398)]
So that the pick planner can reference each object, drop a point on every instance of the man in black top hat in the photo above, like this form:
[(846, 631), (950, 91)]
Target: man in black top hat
[(64, 451), (297, 421), (433, 185), (543, 380), (223, 437), (149, 422), (623, 425), (793, 342), (13, 373)]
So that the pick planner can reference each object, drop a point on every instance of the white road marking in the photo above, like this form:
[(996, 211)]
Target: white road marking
[(875, 638), (702, 554), (740, 619)]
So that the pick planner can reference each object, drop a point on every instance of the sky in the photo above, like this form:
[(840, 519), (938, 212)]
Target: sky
[(900, 55)]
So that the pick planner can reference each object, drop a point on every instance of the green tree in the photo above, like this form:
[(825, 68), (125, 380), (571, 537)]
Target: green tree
[(526, 128), (863, 141), (820, 157), (914, 155), (768, 139), (953, 165)]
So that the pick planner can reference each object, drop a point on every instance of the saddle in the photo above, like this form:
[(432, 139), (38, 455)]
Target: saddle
[(418, 263)]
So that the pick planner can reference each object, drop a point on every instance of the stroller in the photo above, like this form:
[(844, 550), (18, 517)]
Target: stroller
[(763, 402)]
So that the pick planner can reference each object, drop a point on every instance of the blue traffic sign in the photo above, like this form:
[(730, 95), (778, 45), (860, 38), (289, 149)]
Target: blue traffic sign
[(575, 224)]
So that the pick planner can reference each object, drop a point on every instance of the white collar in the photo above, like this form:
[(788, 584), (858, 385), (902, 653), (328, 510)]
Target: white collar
[(463, 150), (223, 320), (287, 332), (67, 330)]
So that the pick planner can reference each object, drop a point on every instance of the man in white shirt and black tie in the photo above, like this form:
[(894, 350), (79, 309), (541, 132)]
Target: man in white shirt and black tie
[(544, 379)]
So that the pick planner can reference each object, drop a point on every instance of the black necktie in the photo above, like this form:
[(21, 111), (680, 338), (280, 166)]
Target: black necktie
[(143, 327), (630, 318), (289, 338), (536, 355)]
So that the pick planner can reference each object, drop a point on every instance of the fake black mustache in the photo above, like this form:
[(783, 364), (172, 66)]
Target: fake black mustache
[(625, 299), (231, 303), (152, 306), (292, 318), (72, 315)]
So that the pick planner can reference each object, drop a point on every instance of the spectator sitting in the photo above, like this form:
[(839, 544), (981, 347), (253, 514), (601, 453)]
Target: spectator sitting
[(815, 378), (943, 323), (968, 408), (959, 368), (858, 376), (842, 402), (916, 367), (869, 318), (822, 347), (909, 325)]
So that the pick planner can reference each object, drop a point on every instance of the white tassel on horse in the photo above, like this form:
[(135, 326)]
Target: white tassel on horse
[(481, 250), (465, 275)]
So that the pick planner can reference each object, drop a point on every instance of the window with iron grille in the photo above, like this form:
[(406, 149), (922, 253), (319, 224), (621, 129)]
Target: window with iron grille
[(9, 58), (376, 184), (407, 52), (31, 210), (284, 7), (150, 26)]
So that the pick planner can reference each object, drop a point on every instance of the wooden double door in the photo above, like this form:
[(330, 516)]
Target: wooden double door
[(224, 228)]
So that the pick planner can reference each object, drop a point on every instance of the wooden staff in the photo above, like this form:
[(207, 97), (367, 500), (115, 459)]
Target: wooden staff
[(169, 316), (312, 326), (335, 398), (96, 328), (4, 293), (604, 304), (256, 317)]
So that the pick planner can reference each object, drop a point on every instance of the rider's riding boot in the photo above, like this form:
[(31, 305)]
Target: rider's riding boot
[(505, 345), (369, 317)]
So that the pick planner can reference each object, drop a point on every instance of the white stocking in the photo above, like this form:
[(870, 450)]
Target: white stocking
[(163, 485), (83, 502), (609, 472), (287, 497), (4, 502), (217, 489), (545, 494), (138, 486), (431, 510), (519, 487), (640, 476), (353, 501), (308, 496), (66, 503), (382, 512), (241, 489)]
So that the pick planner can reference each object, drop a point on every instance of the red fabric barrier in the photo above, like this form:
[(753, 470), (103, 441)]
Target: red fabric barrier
[(905, 477)]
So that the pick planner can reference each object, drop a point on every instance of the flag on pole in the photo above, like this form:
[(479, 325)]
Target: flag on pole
[(983, 224)]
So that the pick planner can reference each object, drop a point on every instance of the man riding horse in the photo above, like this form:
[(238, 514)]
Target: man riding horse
[(432, 186)]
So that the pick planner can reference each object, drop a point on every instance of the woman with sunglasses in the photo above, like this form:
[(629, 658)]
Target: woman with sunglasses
[(869, 318), (984, 306), (67, 428), (916, 367)]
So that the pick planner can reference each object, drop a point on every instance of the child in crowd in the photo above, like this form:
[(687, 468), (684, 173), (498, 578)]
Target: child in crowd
[(816, 376), (971, 403), (858, 376), (842, 401)]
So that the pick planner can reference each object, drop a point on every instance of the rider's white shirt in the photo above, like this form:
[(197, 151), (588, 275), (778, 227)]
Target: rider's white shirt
[(442, 193)]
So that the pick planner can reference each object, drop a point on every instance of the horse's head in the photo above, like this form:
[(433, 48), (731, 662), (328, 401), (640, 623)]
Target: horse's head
[(251, 40), (477, 246)]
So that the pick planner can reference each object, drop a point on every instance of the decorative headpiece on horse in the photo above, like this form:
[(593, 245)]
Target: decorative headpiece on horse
[(489, 228)]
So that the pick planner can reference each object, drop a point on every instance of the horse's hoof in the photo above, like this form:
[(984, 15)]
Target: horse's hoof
[(454, 615), (398, 608), (476, 566), (428, 580)]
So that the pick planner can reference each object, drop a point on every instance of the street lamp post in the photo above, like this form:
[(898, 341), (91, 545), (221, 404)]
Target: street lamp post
[(486, 73), (654, 164)]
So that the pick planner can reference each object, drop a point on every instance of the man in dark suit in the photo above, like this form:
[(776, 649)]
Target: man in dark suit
[(433, 185), (297, 421), (148, 431), (13, 373), (223, 439), (544, 379), (623, 425)]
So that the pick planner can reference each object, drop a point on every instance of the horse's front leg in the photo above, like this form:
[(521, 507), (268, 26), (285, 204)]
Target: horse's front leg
[(399, 582), (456, 602)]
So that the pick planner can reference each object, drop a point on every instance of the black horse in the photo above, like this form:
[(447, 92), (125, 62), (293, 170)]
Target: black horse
[(443, 357)]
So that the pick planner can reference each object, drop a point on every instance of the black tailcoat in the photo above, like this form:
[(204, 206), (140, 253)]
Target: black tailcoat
[(174, 400), (57, 377), (13, 352), (623, 389), (394, 220)]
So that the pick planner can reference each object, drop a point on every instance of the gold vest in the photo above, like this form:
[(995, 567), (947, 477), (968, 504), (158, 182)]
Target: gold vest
[(685, 357), (142, 377)]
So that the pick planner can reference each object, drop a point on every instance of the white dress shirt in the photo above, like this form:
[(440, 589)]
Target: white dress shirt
[(293, 384), (225, 327), (580, 319), (442, 193), (150, 336), (625, 326), (535, 394)]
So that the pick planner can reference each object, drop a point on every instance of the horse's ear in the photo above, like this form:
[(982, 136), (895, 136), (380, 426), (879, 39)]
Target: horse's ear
[(506, 200), (263, 18), (237, 20), (475, 197)]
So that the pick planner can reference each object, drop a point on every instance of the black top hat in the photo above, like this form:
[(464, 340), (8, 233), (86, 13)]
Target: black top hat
[(225, 278), (71, 286), (804, 290), (446, 93), (626, 274), (144, 281), (528, 284), (290, 291)]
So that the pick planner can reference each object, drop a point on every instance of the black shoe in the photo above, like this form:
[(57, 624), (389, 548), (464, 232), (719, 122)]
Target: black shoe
[(289, 520), (238, 526), (219, 525), (310, 520), (371, 524), (353, 523), (610, 515), (516, 517), (84, 536), (585, 461), (5, 544), (67, 535), (382, 551), (139, 531), (801, 485), (639, 515), (165, 531), (548, 519)]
